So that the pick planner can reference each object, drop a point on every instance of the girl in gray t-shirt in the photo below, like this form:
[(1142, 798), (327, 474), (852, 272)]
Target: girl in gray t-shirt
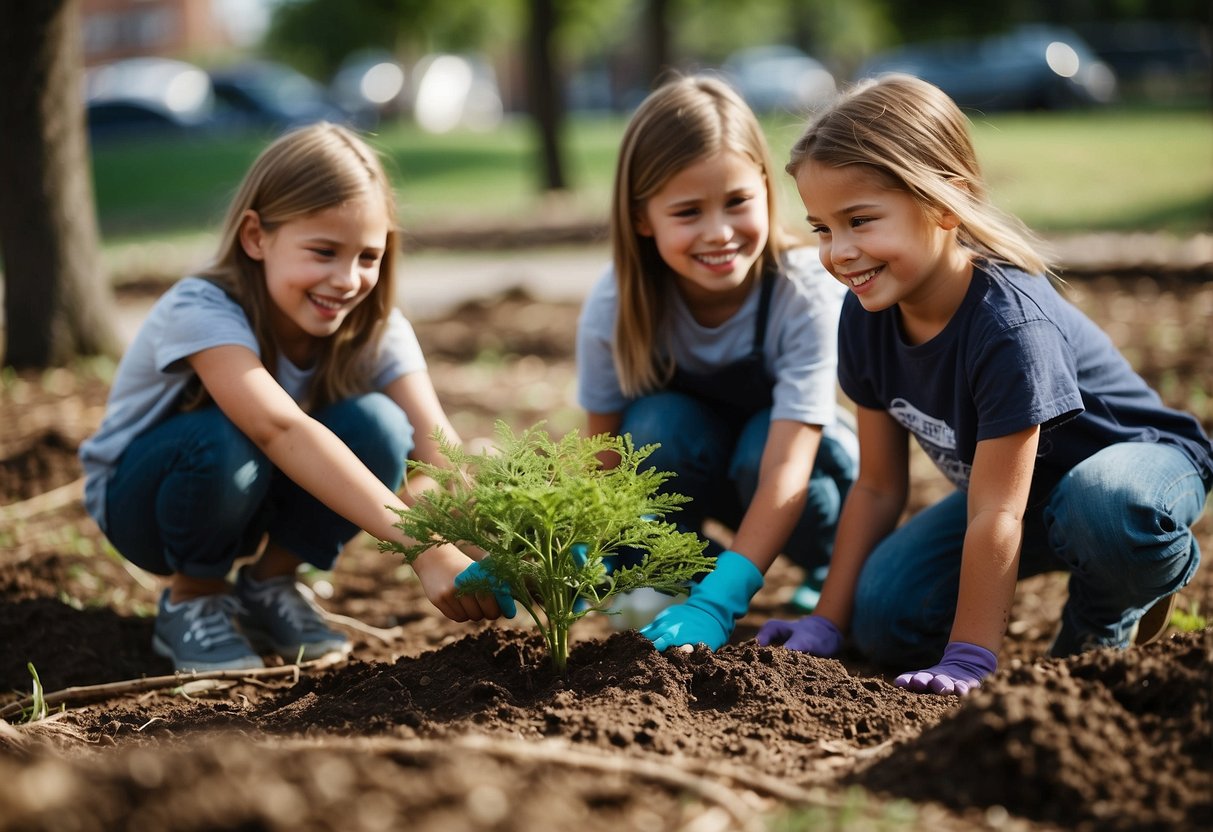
[(266, 407)]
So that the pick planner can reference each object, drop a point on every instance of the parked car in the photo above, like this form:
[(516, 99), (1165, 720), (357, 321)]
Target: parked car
[(373, 81), (112, 120), (144, 96), (456, 91), (1030, 68), (268, 95), (1156, 59), (779, 78)]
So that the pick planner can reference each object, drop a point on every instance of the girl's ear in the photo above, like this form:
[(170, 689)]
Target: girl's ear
[(948, 221), (642, 226), (252, 235)]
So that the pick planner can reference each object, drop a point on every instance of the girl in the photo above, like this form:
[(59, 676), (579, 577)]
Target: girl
[(713, 339), (275, 395), (1062, 457)]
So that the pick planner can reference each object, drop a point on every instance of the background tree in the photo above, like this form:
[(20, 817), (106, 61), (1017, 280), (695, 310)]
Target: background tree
[(56, 303), (544, 95)]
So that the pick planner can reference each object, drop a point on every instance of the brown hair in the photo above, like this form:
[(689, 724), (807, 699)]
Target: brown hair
[(912, 135), (680, 123), (305, 171)]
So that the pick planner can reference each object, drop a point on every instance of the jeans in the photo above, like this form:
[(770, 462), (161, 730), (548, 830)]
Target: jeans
[(193, 494), (717, 459), (1119, 522)]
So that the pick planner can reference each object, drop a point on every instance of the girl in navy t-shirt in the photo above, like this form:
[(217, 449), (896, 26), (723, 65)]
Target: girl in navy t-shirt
[(1062, 457)]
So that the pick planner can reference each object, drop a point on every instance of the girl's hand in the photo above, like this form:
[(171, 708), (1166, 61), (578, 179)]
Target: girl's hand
[(813, 634), (961, 670), (476, 574), (437, 570)]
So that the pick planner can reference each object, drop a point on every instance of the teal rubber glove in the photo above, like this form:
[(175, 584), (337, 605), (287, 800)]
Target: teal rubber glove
[(475, 574), (578, 551), (715, 603)]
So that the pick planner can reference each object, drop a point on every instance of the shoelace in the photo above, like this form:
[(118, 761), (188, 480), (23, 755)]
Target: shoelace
[(210, 620), (286, 595)]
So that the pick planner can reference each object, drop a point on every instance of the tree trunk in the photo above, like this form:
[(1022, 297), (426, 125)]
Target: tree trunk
[(544, 94), (57, 304), (657, 41)]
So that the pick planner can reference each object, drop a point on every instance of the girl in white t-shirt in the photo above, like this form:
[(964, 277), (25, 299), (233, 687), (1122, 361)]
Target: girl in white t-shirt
[(712, 338), (267, 407)]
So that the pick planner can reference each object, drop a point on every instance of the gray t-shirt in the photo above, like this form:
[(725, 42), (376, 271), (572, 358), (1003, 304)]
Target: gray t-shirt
[(801, 347), (192, 316)]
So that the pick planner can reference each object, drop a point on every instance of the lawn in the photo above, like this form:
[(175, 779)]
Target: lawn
[(1108, 170)]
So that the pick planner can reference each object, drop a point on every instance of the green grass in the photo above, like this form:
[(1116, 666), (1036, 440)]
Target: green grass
[(1108, 170)]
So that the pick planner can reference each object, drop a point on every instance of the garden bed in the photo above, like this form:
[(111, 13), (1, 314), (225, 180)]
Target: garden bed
[(437, 725)]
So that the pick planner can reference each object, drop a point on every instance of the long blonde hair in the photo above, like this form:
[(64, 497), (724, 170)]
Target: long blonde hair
[(305, 171), (917, 140), (681, 123)]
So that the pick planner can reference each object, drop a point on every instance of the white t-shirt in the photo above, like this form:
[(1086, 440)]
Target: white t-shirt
[(194, 315), (801, 346)]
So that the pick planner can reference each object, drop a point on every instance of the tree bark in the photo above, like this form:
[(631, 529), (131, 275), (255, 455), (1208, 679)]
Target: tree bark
[(543, 86), (657, 39), (57, 304)]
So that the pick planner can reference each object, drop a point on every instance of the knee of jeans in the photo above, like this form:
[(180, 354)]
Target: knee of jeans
[(883, 631), (744, 468), (234, 460), (375, 429), (664, 419), (1145, 547), (1167, 563)]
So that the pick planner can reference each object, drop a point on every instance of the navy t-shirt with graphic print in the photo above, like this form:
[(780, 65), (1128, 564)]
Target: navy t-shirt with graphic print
[(1014, 355)]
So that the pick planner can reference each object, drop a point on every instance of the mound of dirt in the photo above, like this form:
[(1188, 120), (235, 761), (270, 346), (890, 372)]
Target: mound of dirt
[(433, 725)]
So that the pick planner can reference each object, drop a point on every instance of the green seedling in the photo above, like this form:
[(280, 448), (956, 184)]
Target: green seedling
[(38, 708), (1189, 620), (531, 501)]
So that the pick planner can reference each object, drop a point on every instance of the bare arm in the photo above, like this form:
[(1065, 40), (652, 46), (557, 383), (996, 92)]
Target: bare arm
[(320, 463), (998, 496), (414, 393), (783, 478), (871, 510)]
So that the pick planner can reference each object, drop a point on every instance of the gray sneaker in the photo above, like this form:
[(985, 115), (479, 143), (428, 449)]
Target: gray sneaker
[(279, 614), (201, 635)]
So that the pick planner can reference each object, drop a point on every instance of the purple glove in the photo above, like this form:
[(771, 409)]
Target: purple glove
[(813, 634), (961, 670)]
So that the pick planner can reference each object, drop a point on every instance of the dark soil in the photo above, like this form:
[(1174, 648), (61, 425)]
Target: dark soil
[(439, 726)]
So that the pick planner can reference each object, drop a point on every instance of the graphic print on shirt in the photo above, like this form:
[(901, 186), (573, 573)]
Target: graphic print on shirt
[(936, 437)]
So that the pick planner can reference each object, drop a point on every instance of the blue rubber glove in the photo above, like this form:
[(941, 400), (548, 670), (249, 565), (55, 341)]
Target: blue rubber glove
[(476, 574), (961, 670), (578, 550), (716, 602), (813, 634)]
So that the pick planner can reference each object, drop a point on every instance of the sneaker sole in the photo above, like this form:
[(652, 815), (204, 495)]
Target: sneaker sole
[(161, 648), (290, 653), (1156, 620)]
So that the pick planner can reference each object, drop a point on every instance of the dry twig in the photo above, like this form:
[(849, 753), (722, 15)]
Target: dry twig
[(90, 693), (52, 500)]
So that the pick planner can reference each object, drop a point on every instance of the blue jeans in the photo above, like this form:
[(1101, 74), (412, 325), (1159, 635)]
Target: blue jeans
[(717, 460), (194, 494), (1119, 522)]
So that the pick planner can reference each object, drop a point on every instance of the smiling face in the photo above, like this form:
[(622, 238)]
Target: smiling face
[(881, 243), (710, 224), (317, 269)]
